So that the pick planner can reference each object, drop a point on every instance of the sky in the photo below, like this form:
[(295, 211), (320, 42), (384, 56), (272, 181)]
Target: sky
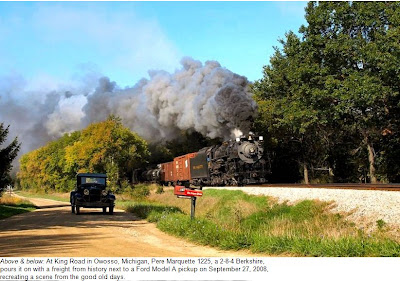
[(50, 43), (65, 65)]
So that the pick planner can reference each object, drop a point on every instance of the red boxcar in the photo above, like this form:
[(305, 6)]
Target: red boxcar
[(181, 167), (167, 174)]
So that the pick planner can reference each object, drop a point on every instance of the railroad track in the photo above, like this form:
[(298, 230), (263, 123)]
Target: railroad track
[(352, 186)]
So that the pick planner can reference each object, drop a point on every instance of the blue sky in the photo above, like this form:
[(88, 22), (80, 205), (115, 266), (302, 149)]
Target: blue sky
[(54, 42)]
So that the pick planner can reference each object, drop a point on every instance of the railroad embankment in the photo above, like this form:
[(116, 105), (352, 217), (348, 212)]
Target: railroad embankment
[(369, 209), (232, 219)]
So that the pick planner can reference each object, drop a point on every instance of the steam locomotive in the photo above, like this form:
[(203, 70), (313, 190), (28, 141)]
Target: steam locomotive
[(235, 162)]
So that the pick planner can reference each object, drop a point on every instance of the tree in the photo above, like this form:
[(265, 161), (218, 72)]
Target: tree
[(340, 79), (188, 141), (7, 155), (108, 147), (45, 168), (105, 147), (290, 85)]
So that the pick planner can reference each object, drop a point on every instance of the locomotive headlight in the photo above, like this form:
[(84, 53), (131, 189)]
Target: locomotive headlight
[(86, 192), (260, 138), (237, 139), (104, 192)]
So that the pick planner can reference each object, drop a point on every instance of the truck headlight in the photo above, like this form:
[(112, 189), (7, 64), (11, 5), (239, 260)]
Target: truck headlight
[(260, 138), (86, 192), (104, 192)]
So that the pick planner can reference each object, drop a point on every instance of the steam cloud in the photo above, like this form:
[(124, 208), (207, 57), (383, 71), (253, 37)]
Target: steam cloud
[(206, 98)]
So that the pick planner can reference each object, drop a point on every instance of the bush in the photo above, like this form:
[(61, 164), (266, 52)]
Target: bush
[(139, 191), (160, 189)]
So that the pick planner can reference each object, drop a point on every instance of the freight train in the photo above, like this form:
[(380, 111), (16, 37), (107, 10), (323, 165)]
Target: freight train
[(235, 162)]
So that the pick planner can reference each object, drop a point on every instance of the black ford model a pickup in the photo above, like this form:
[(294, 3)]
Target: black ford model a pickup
[(91, 192)]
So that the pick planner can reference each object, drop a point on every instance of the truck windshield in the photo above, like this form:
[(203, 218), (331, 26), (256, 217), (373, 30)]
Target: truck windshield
[(93, 180)]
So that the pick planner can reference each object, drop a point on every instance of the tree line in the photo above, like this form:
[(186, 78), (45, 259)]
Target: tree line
[(329, 99), (105, 147)]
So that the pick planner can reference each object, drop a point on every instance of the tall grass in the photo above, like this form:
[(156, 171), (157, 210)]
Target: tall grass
[(11, 205), (137, 192), (235, 220)]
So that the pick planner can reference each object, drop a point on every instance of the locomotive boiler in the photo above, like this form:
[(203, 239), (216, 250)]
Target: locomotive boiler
[(234, 162)]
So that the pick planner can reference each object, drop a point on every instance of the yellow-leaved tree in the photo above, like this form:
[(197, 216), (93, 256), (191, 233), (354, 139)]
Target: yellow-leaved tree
[(105, 147)]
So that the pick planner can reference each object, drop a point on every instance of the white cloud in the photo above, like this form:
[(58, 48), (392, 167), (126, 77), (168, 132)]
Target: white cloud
[(123, 39)]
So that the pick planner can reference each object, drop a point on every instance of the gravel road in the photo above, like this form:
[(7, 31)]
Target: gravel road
[(54, 231), (365, 206)]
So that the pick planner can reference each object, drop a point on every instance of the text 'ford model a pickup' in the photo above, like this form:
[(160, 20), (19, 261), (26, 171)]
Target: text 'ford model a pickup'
[(91, 192)]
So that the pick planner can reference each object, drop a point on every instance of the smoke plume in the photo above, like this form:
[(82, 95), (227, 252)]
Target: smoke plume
[(206, 98)]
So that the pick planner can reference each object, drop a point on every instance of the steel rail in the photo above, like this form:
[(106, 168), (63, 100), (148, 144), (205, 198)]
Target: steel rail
[(351, 186)]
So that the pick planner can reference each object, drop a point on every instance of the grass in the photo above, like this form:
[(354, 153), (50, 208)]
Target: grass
[(10, 206), (64, 197), (234, 220)]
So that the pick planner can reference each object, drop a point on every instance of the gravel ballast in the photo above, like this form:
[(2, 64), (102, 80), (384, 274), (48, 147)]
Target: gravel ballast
[(366, 206)]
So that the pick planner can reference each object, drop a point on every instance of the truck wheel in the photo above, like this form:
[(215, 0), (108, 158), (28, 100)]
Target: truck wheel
[(111, 210), (78, 210), (73, 209)]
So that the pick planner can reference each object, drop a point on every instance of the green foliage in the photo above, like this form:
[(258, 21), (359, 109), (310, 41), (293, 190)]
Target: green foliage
[(153, 211), (188, 142), (333, 93), (160, 189), (159, 153), (7, 155), (138, 192), (105, 147), (381, 224)]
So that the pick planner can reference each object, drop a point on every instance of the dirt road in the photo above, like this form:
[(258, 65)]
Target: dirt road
[(53, 231)]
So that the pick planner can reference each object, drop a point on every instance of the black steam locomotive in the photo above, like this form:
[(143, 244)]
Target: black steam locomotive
[(234, 162)]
